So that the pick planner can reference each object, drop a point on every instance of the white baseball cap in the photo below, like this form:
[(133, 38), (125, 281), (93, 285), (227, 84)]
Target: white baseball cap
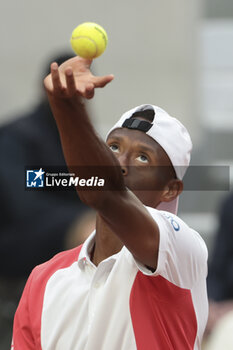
[(172, 136)]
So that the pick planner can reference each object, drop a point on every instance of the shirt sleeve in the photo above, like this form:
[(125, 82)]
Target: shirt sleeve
[(22, 330), (182, 256)]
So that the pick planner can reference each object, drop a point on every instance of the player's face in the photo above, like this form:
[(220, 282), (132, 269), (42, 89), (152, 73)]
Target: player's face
[(145, 165)]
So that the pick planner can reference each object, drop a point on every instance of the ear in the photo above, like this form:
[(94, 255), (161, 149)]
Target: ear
[(172, 190)]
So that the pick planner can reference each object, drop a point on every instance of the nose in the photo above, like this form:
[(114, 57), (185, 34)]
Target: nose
[(124, 170), (123, 163)]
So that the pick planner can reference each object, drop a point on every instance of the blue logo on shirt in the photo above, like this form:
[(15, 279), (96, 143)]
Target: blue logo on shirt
[(173, 222)]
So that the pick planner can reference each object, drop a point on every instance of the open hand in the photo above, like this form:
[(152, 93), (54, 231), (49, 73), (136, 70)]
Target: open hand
[(73, 77)]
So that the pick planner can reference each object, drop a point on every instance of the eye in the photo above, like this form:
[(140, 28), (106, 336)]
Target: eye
[(114, 148), (142, 158)]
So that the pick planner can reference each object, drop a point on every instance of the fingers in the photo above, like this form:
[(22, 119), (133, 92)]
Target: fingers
[(57, 86), (70, 82), (90, 91), (102, 81)]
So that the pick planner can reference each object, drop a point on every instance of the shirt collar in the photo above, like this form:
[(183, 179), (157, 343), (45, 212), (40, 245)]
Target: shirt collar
[(84, 255)]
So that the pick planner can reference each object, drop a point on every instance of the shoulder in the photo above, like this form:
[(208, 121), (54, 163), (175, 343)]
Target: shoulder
[(59, 261), (181, 248), (173, 226), (169, 222), (35, 287)]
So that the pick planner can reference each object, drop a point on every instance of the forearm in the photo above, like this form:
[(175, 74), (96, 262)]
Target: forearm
[(82, 148)]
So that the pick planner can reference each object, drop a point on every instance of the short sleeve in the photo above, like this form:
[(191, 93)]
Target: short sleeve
[(182, 256)]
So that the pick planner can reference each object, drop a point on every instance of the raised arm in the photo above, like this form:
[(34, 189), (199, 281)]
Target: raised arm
[(119, 208)]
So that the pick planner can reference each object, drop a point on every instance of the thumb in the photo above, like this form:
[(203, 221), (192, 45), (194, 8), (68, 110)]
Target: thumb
[(104, 80)]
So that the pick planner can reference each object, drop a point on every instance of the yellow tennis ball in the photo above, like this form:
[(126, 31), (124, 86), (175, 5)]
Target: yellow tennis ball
[(89, 40)]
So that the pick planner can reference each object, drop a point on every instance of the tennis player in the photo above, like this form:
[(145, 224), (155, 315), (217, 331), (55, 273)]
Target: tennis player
[(139, 280)]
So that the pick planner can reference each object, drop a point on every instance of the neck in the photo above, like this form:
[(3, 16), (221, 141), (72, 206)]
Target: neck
[(106, 242)]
